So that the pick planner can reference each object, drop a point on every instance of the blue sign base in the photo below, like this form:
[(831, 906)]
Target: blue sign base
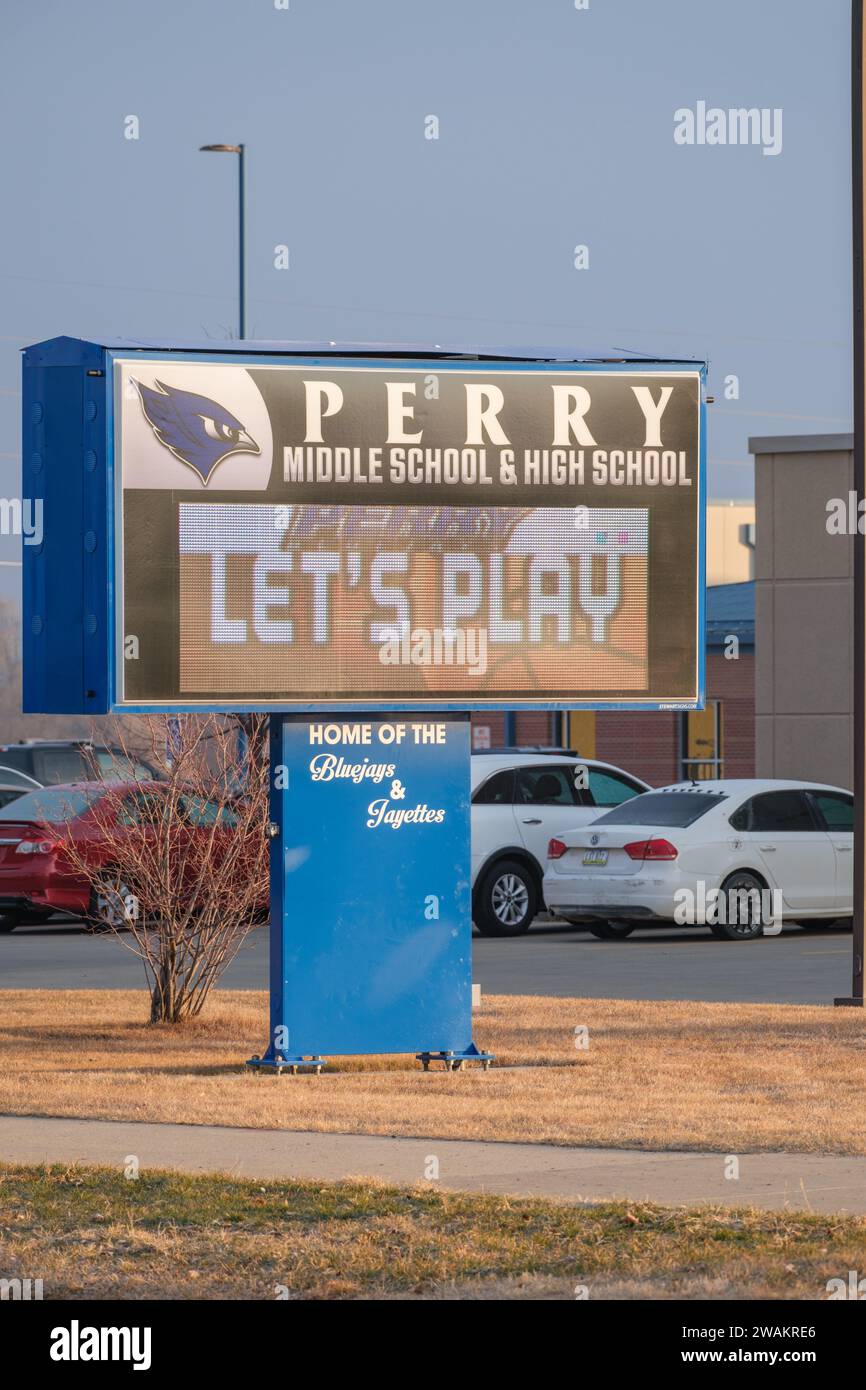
[(454, 1060), (279, 1063), (370, 947)]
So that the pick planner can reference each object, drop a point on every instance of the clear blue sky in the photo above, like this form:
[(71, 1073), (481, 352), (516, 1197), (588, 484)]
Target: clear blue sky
[(556, 129)]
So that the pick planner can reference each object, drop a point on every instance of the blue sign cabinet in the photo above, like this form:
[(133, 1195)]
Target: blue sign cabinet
[(370, 902)]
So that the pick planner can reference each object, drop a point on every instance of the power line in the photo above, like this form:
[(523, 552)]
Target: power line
[(569, 327)]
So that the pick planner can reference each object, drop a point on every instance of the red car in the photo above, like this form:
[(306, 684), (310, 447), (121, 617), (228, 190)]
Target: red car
[(36, 877)]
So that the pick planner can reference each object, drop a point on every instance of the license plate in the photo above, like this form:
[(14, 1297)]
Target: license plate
[(595, 858)]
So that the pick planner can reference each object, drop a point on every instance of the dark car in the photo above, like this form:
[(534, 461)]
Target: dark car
[(49, 762)]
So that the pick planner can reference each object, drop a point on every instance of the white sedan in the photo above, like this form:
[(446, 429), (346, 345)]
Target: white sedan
[(519, 800), (737, 856)]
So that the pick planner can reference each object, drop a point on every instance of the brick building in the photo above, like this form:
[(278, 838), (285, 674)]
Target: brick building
[(662, 747)]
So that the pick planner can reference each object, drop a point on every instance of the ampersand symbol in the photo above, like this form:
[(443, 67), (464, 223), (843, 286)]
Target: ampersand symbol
[(398, 791)]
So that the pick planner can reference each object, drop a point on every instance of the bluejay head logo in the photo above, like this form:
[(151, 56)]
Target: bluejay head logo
[(197, 430)]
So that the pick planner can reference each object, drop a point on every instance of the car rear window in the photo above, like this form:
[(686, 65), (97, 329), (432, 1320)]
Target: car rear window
[(662, 808), (54, 805), (116, 766), (56, 765)]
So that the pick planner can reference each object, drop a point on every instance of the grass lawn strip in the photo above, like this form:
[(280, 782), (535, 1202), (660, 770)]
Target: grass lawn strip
[(92, 1233)]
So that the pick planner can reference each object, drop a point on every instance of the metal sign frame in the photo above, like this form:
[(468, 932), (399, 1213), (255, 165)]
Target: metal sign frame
[(72, 590), (858, 208)]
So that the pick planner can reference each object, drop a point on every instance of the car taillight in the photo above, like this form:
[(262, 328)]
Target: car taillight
[(650, 849), (556, 849), (36, 847)]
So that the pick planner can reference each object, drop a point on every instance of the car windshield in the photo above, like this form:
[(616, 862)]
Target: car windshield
[(54, 805), (117, 766), (662, 808)]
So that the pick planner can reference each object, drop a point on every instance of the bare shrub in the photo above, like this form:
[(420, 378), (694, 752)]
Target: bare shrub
[(178, 867)]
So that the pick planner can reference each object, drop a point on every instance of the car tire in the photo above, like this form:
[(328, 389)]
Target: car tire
[(612, 931), (507, 900), (109, 885), (741, 881), (8, 922)]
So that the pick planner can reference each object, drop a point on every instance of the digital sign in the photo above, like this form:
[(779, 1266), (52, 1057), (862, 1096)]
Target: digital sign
[(290, 531), (356, 601)]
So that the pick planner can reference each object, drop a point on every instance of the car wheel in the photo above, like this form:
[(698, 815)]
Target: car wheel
[(612, 931), (107, 910), (8, 922), (507, 900), (740, 925)]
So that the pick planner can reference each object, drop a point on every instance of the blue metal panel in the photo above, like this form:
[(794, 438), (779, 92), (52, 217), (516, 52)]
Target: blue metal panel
[(98, 542), (66, 609), (370, 930), (52, 572), (731, 613)]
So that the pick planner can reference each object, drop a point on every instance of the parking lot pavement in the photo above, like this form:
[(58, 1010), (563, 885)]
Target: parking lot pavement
[(808, 966)]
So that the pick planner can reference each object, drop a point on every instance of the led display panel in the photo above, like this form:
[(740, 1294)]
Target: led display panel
[(433, 534)]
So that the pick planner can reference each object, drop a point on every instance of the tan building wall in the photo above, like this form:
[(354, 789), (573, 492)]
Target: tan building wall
[(730, 555), (803, 610)]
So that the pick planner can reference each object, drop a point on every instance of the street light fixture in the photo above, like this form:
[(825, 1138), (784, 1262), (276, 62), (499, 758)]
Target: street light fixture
[(239, 151)]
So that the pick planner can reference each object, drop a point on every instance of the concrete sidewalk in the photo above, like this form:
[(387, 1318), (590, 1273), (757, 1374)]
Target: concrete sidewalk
[(802, 1182)]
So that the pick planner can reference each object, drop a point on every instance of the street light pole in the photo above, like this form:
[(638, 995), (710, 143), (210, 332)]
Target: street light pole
[(242, 294), (242, 290), (858, 148), (250, 735)]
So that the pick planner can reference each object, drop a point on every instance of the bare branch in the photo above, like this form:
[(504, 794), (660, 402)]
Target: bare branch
[(178, 868)]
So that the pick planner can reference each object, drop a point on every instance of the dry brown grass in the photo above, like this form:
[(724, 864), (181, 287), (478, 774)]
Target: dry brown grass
[(90, 1233), (726, 1077)]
